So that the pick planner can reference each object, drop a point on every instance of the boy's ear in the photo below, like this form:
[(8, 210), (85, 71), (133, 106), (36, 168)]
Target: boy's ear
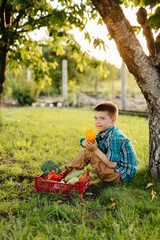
[(114, 120)]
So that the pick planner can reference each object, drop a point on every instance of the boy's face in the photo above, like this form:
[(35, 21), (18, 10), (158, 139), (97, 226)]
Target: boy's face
[(103, 121)]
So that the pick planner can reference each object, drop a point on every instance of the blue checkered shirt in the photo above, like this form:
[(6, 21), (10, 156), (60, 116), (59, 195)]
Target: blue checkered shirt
[(118, 148)]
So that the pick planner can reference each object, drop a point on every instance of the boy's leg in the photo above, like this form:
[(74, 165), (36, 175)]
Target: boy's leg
[(105, 173), (85, 157), (79, 162)]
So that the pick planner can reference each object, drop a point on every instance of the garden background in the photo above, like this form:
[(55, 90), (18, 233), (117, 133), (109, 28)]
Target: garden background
[(31, 73)]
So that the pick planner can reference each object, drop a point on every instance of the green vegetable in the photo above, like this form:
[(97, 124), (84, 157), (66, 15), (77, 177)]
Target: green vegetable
[(75, 173), (49, 166), (73, 180)]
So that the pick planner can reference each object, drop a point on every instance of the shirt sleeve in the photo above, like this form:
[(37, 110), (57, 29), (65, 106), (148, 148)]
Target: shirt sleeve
[(81, 140), (129, 156), (113, 150), (113, 156), (128, 164), (122, 152)]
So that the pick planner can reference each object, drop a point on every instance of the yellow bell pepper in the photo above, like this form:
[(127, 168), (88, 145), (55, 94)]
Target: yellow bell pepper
[(90, 135)]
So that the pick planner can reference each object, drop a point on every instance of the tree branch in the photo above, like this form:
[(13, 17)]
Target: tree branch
[(21, 13), (38, 21), (141, 18), (8, 16), (2, 10)]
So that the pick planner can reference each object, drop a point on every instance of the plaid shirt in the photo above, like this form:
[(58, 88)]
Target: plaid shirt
[(118, 148)]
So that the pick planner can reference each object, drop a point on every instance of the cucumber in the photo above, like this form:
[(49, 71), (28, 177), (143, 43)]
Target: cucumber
[(73, 180), (75, 173)]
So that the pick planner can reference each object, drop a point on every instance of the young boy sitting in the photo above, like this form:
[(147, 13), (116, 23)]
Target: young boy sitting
[(111, 155)]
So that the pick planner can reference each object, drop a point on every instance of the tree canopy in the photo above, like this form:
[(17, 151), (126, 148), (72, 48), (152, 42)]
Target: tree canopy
[(153, 19), (18, 18)]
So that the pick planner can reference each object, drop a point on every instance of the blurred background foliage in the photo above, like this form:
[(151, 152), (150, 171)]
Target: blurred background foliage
[(86, 75), (44, 59)]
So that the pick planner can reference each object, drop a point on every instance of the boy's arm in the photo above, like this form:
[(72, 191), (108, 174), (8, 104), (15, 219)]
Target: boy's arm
[(94, 148), (104, 159)]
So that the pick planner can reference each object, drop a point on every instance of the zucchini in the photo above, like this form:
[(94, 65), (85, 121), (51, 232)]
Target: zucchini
[(73, 180), (75, 173)]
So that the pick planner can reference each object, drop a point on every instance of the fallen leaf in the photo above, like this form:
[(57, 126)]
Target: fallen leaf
[(115, 189), (140, 196), (153, 193), (112, 199), (88, 193), (111, 206), (149, 185)]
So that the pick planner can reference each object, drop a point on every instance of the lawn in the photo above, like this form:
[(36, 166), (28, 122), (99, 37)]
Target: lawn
[(30, 136)]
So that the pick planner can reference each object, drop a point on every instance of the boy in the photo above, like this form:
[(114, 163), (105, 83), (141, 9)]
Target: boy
[(111, 155)]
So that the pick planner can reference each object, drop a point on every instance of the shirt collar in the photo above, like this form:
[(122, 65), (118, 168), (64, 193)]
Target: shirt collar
[(107, 131)]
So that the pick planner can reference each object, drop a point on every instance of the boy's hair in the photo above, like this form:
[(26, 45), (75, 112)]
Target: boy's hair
[(110, 107)]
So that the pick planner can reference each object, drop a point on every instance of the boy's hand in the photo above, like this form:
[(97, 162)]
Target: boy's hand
[(84, 143), (92, 145)]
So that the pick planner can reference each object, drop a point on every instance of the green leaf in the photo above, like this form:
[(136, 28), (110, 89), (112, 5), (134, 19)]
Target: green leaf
[(60, 34), (94, 16), (136, 2), (136, 29), (100, 21), (80, 67), (153, 21), (96, 42), (87, 36), (111, 206), (152, 3), (15, 2), (22, 54), (142, 3)]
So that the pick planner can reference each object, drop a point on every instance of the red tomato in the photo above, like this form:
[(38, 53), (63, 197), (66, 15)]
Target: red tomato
[(54, 176)]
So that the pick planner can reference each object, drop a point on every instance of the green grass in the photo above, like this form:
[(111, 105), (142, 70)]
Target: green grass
[(30, 136)]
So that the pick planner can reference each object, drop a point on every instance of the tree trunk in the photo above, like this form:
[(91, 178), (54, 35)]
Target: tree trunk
[(141, 66), (6, 35), (3, 64), (154, 141), (123, 84)]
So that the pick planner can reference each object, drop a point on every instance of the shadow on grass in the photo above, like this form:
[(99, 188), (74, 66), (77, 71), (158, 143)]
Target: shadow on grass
[(141, 179), (130, 195)]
